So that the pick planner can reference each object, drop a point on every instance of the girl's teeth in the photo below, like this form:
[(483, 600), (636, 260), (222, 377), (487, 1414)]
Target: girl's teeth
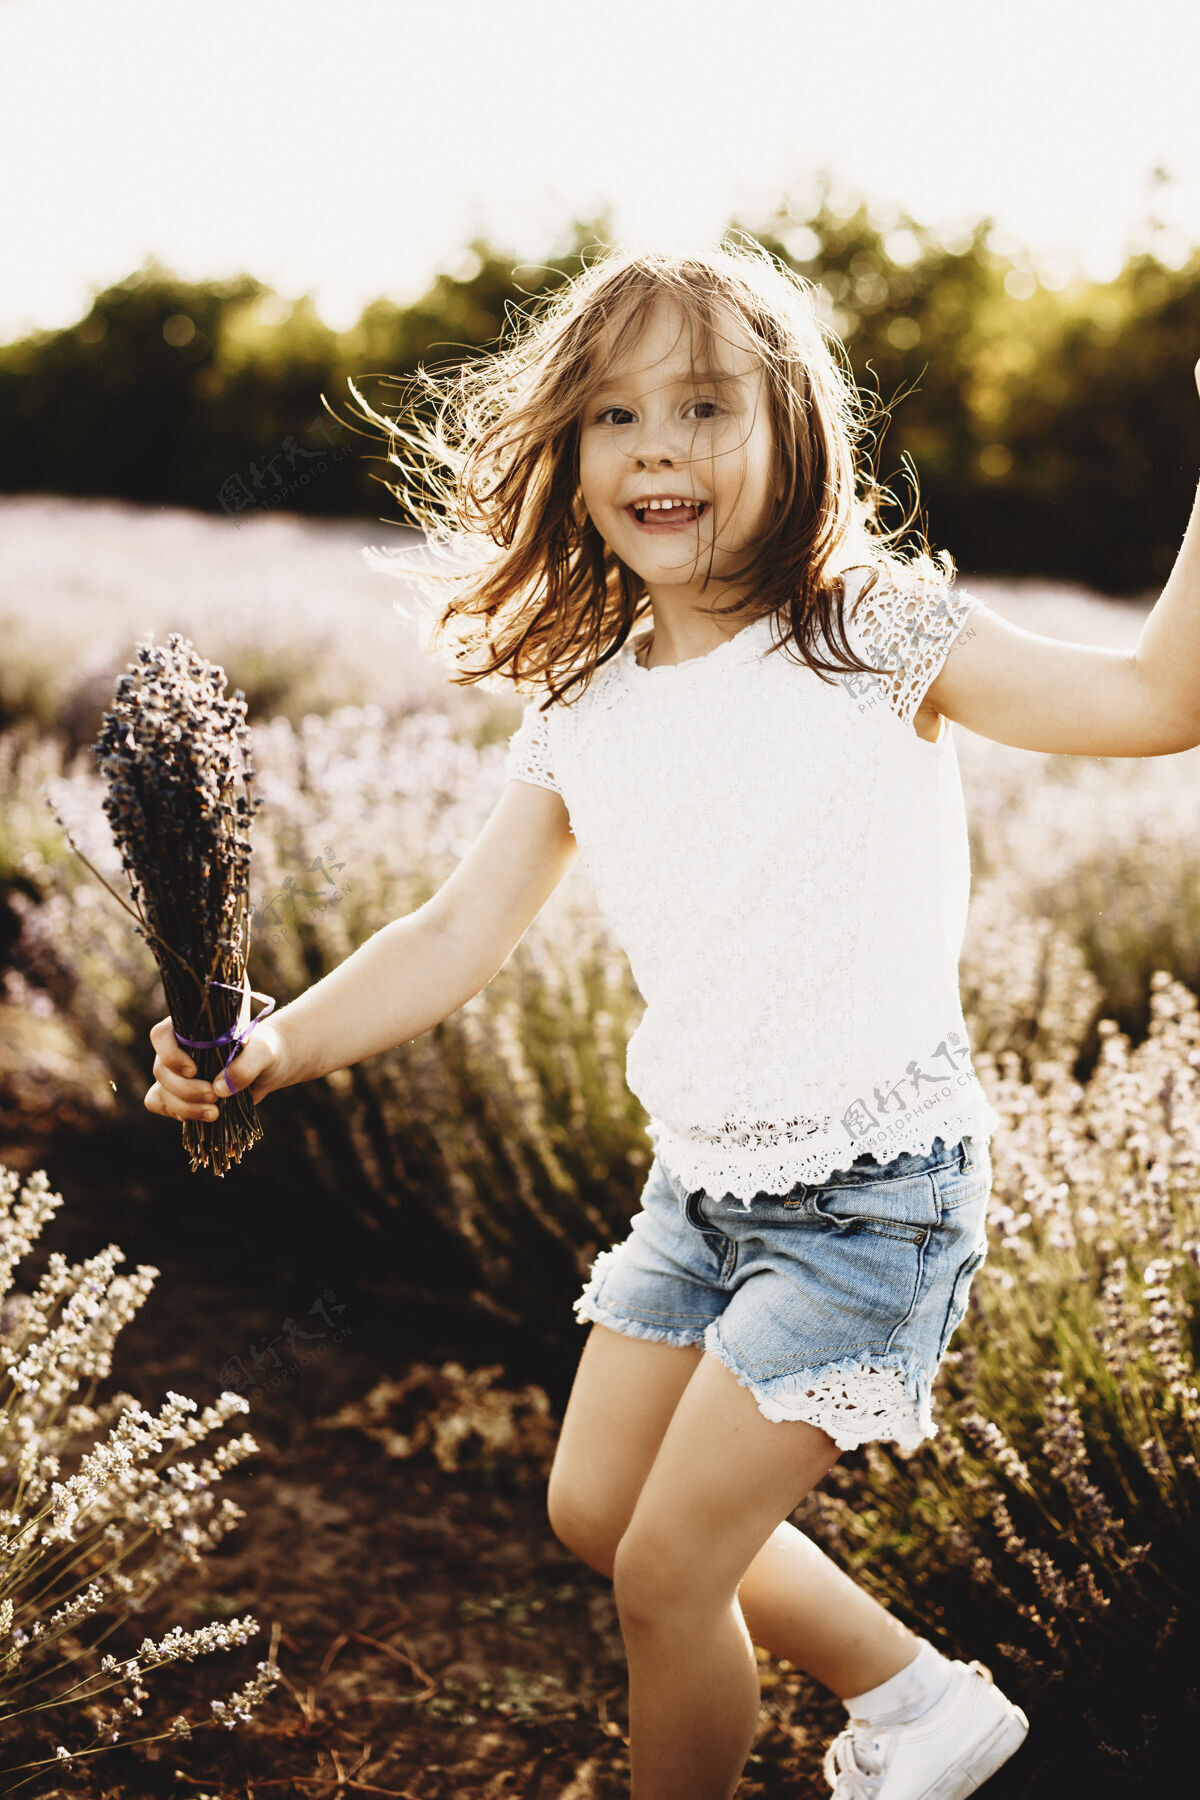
[(668, 506)]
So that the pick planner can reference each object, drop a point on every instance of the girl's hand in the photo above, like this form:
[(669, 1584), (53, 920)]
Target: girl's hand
[(178, 1093)]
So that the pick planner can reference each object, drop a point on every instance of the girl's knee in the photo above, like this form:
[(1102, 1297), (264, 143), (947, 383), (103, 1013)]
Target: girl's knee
[(655, 1581), (581, 1528)]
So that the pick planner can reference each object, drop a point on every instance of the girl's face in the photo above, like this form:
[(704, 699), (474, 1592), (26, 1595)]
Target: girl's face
[(698, 441)]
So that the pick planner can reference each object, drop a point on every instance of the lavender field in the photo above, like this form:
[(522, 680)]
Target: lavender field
[(1049, 1529)]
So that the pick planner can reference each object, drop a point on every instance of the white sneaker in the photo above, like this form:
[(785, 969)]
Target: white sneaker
[(944, 1755)]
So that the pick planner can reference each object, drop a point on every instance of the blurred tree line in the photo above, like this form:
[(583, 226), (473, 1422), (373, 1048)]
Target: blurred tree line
[(1053, 431)]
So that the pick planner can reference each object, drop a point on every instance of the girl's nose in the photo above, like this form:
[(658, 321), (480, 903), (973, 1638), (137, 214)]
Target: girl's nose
[(654, 449), (654, 444)]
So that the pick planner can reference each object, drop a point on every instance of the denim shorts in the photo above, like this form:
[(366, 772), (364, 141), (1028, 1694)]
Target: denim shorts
[(833, 1304)]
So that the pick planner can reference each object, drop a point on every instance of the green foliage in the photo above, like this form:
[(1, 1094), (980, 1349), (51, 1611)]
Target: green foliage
[(213, 395), (1057, 433), (914, 331), (116, 404), (1054, 432), (1104, 430)]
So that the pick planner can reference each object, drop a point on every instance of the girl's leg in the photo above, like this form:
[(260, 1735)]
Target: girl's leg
[(624, 1393), (799, 1605), (723, 1479), (796, 1602)]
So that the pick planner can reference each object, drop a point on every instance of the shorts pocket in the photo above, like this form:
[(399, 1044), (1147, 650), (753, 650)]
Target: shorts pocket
[(960, 1294), (967, 1186), (904, 1206)]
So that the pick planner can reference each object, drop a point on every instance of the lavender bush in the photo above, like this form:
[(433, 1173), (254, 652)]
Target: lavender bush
[(1048, 1527), (81, 580), (1054, 1514), (82, 1553)]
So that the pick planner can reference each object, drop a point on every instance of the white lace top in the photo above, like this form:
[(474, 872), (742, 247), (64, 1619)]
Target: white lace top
[(785, 863)]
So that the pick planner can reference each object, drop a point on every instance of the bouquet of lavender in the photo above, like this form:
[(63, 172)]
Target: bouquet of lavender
[(176, 754)]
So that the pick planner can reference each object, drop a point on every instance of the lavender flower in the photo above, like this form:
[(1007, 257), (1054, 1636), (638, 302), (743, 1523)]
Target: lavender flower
[(72, 1543)]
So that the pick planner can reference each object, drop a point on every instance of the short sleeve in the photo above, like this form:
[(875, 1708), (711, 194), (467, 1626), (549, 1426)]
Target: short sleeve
[(907, 628), (528, 756)]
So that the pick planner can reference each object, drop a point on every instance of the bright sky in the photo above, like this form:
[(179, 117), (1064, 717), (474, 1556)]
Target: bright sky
[(349, 149)]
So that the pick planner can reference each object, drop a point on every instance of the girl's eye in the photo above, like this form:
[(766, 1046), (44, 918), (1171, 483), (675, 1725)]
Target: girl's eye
[(704, 409)]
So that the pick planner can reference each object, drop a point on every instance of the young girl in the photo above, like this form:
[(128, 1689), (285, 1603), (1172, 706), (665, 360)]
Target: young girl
[(764, 789)]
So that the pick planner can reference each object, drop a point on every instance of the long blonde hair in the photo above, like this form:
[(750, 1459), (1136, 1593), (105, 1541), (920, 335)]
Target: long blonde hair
[(493, 479)]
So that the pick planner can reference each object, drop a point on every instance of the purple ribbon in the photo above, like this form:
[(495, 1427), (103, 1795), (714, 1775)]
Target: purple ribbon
[(237, 1034)]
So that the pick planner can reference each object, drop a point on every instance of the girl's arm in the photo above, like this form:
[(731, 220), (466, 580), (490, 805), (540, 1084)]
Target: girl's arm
[(410, 975), (1076, 699)]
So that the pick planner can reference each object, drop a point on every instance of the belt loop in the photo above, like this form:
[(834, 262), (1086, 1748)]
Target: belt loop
[(966, 1155)]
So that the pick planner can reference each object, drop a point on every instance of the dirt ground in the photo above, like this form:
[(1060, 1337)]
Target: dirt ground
[(435, 1639), (436, 1643)]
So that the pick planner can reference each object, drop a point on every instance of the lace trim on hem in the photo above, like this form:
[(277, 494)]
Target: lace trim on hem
[(719, 1178), (855, 1400)]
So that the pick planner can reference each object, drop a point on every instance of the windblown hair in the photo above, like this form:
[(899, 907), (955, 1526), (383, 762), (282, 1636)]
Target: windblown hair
[(491, 475)]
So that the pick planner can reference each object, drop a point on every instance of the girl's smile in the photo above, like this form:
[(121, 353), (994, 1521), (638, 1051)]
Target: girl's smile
[(663, 514)]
